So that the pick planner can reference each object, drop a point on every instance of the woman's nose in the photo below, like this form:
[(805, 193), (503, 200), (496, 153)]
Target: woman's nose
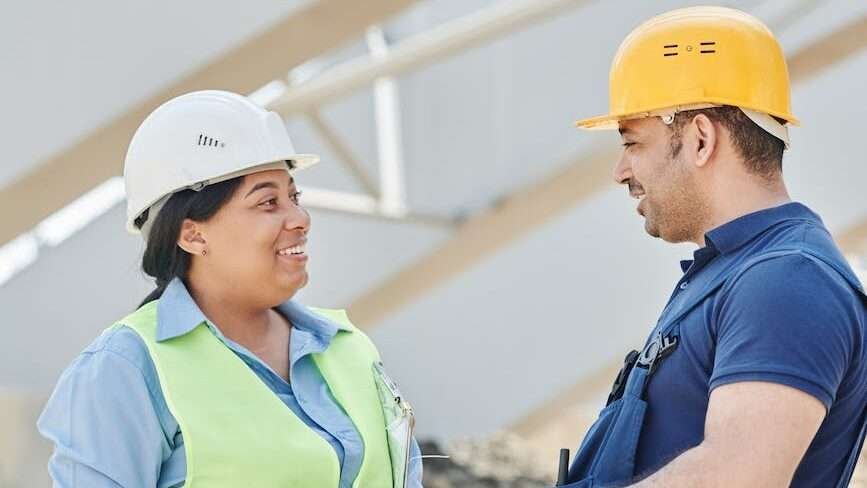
[(297, 218)]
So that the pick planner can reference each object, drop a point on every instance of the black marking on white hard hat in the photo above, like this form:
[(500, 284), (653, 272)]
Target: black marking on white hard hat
[(209, 141)]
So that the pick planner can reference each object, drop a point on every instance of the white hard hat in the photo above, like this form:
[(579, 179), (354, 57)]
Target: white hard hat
[(201, 138)]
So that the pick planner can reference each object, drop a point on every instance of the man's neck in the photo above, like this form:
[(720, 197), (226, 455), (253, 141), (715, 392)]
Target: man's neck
[(741, 198)]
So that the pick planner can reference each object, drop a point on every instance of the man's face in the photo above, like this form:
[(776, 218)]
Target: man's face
[(659, 174)]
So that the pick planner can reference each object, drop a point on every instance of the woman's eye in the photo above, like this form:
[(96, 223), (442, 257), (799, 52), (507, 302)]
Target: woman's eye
[(273, 202), (628, 144)]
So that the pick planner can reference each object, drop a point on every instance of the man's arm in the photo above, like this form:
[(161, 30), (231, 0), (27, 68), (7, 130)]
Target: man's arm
[(755, 435)]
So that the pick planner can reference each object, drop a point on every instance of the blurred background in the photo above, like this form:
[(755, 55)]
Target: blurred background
[(458, 215)]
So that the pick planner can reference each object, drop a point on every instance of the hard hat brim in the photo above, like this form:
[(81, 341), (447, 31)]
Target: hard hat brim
[(766, 121), (300, 161), (601, 122), (304, 161), (610, 121)]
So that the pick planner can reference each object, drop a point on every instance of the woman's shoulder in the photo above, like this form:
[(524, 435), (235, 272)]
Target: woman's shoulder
[(118, 359), (116, 365), (111, 382), (123, 343)]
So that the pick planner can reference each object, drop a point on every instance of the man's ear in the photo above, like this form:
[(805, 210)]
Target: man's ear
[(190, 238), (707, 137)]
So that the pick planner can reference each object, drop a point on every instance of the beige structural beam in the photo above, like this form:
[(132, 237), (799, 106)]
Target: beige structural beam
[(854, 240), (484, 233), (305, 33), (425, 48), (23, 452), (544, 421), (582, 177), (828, 50)]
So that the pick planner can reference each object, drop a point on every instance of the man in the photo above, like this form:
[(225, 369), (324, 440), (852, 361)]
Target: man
[(756, 373)]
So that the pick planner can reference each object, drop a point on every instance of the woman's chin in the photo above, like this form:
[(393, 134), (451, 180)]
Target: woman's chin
[(291, 284)]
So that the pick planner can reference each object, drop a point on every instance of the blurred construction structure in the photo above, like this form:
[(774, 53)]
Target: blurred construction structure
[(462, 220)]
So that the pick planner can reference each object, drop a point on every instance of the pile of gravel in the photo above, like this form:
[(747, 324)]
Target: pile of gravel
[(498, 462)]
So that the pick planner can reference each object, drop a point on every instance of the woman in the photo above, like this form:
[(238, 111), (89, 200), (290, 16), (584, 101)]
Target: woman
[(219, 379)]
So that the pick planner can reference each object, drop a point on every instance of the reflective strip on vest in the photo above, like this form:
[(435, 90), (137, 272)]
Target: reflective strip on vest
[(237, 432)]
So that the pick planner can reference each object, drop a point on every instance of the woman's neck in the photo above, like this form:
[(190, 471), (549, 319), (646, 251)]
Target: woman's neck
[(251, 325)]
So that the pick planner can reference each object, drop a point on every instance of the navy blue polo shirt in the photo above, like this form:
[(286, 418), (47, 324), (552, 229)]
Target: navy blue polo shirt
[(789, 319)]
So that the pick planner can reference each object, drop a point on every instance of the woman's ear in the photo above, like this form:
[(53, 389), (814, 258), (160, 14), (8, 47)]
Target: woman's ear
[(190, 238), (708, 138)]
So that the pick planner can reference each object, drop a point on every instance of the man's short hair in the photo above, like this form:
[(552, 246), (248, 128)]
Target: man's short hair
[(762, 153)]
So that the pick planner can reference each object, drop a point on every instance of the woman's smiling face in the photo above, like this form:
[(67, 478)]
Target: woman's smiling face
[(256, 243)]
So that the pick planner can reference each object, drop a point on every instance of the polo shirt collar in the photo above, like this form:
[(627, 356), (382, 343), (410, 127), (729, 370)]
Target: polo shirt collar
[(732, 235)]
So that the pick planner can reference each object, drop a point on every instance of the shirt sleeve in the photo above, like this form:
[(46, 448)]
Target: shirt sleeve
[(788, 320), (102, 422)]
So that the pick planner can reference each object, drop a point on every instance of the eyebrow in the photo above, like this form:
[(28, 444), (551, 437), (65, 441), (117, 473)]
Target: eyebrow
[(624, 130), (267, 184)]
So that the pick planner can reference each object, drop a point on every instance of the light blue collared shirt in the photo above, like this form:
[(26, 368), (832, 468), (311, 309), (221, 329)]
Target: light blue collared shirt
[(111, 426)]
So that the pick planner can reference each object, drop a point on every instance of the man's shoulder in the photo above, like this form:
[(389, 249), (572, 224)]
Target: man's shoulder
[(793, 278), (801, 254), (789, 302)]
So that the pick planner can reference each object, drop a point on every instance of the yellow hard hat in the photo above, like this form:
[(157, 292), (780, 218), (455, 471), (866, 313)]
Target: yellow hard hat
[(694, 58)]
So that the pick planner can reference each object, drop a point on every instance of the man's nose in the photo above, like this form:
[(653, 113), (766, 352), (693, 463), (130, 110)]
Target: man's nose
[(622, 170)]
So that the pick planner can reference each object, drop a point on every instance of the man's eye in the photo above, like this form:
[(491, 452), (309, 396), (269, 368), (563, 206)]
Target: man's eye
[(628, 144)]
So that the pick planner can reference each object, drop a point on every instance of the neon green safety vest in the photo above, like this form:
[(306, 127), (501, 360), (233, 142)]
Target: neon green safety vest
[(237, 432)]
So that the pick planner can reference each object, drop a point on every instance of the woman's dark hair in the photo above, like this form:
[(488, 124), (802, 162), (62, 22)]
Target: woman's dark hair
[(163, 259)]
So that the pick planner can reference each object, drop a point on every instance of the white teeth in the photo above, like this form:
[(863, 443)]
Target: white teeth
[(292, 250)]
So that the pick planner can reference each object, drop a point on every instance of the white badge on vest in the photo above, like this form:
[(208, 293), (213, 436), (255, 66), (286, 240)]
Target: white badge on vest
[(399, 423)]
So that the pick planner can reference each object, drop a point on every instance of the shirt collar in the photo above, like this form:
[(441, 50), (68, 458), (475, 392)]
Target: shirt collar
[(178, 314), (701, 256), (732, 235)]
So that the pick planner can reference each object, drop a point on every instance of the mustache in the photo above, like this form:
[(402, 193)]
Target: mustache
[(634, 187)]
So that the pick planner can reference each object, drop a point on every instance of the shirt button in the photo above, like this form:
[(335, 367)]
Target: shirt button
[(684, 285)]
